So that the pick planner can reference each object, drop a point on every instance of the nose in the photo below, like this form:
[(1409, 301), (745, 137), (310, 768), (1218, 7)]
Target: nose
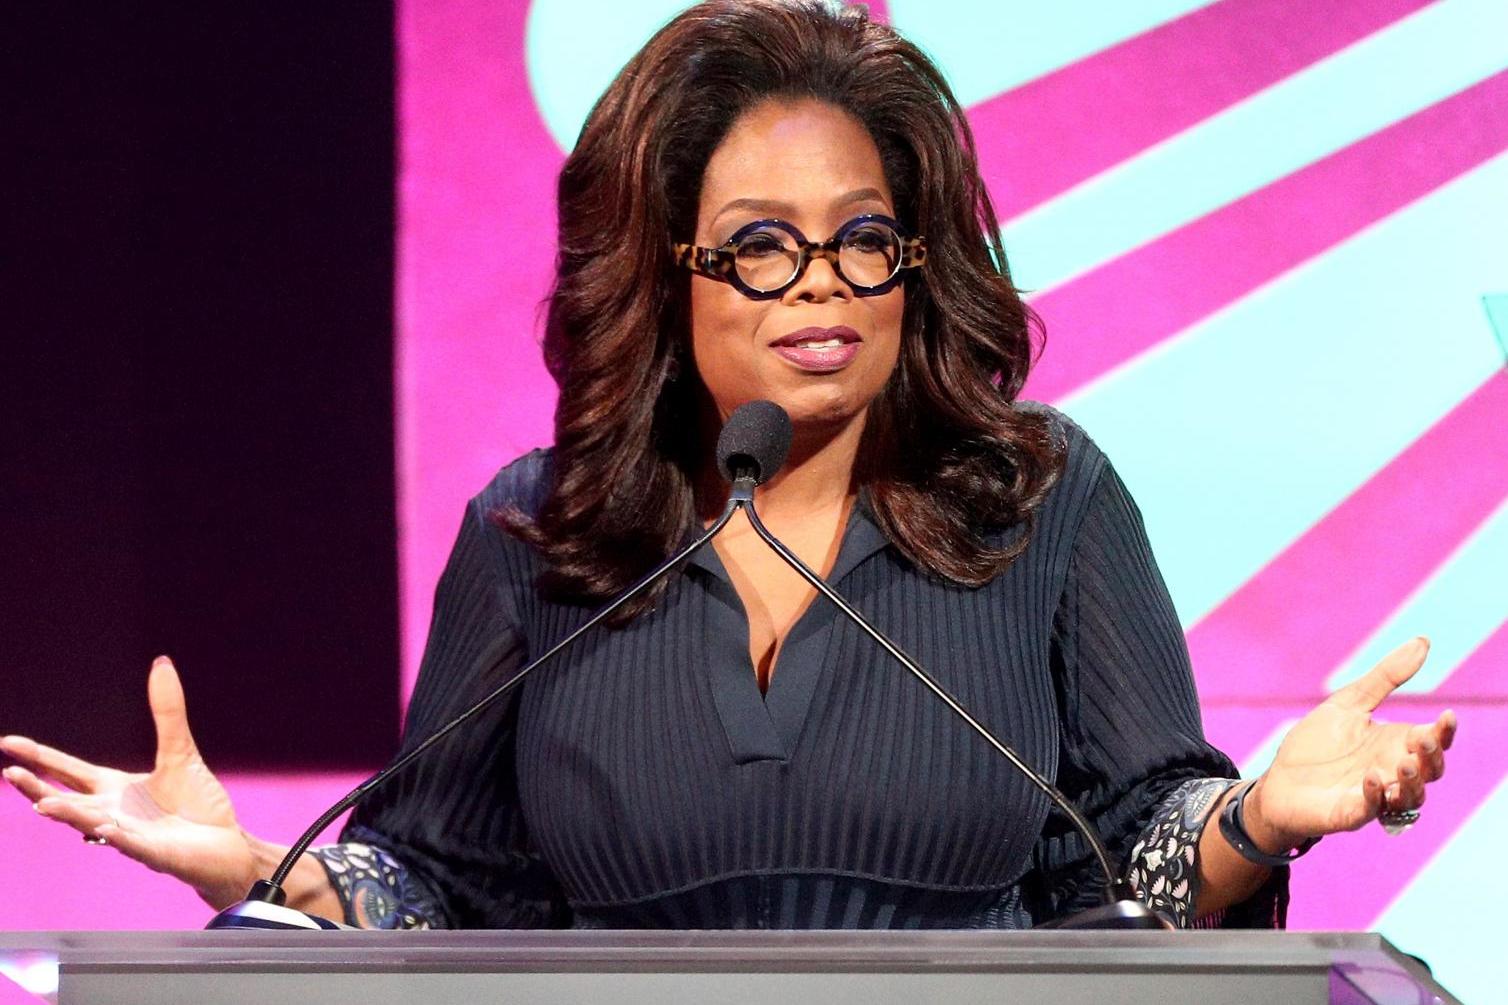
[(820, 282)]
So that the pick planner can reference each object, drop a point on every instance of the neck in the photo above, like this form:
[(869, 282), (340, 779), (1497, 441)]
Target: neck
[(818, 474)]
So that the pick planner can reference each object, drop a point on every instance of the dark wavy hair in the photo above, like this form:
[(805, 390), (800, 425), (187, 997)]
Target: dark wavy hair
[(627, 449)]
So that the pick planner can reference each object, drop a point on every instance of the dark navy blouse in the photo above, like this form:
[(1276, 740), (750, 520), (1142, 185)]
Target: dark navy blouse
[(643, 780)]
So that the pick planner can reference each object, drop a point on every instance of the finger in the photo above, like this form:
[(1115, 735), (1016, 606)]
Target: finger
[(169, 713), (1447, 723), (1410, 785), (28, 784), (71, 771), (1424, 742), (131, 845), (1367, 692), (1374, 792), (74, 812)]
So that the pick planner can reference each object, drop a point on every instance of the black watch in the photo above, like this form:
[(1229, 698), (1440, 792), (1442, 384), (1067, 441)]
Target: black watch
[(1234, 830)]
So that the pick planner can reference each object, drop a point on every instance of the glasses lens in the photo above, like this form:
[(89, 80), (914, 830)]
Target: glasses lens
[(766, 258), (870, 254)]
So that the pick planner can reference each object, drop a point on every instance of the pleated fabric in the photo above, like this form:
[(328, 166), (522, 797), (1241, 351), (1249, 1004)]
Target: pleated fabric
[(643, 780)]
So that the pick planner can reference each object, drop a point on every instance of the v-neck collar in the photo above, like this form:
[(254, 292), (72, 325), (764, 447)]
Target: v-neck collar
[(862, 538), (767, 727)]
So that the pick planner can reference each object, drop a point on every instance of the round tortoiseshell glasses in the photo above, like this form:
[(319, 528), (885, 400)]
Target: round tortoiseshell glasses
[(765, 258)]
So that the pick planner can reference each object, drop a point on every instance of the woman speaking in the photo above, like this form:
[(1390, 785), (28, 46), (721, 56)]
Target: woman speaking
[(780, 200)]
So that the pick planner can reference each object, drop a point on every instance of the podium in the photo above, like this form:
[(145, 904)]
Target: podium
[(629, 968)]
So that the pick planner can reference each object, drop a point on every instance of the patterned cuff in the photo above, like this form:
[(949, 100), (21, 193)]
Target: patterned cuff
[(1165, 860), (375, 890)]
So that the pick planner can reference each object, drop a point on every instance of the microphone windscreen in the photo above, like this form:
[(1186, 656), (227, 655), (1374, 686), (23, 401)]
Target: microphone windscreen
[(757, 433)]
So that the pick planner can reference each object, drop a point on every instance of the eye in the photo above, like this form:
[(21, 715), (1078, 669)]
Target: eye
[(876, 239), (761, 244)]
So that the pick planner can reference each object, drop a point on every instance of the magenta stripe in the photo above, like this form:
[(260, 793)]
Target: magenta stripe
[(53, 881), (1288, 626), (1348, 880), (1481, 676), (1239, 247), (1050, 134), (1351, 878), (478, 174), (1239, 729)]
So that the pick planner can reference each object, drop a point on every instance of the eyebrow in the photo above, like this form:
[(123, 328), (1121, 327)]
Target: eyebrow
[(786, 209)]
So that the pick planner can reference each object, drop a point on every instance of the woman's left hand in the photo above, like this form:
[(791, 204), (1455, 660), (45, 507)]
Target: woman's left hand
[(1338, 768)]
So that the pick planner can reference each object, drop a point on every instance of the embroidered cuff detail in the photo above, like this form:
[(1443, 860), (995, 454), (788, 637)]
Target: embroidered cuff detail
[(1165, 860), (375, 890)]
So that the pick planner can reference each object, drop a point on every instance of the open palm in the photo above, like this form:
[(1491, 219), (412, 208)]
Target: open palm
[(1339, 768), (176, 819)]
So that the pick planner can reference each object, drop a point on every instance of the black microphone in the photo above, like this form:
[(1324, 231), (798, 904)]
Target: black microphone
[(757, 437), (754, 442), (1121, 908)]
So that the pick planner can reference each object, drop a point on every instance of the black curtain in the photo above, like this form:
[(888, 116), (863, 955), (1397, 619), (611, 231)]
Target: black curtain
[(197, 376)]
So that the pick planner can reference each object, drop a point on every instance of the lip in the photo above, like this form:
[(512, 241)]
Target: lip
[(843, 332), (826, 360)]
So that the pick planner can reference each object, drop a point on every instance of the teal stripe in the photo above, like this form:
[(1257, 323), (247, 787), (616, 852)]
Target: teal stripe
[(1243, 431), (573, 52), (1332, 104), (1451, 913), (988, 46), (1457, 607)]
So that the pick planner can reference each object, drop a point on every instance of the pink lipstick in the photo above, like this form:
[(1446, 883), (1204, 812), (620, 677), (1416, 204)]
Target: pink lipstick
[(820, 350)]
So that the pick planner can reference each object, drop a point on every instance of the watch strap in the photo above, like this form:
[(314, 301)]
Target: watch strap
[(1234, 831)]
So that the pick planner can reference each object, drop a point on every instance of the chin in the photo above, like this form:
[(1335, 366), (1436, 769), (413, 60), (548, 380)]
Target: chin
[(822, 405)]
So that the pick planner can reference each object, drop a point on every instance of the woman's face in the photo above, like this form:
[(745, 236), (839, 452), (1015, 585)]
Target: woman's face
[(816, 167)]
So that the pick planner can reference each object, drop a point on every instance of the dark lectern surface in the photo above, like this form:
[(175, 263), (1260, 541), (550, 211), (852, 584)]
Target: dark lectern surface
[(865, 968)]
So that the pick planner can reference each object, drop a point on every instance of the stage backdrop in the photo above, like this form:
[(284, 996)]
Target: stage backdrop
[(1268, 242)]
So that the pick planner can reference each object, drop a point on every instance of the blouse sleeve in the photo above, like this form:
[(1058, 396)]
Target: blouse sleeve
[(443, 844), (1132, 756)]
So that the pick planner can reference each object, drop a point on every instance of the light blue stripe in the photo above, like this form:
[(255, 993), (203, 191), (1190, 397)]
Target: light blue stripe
[(573, 51), (1496, 305), (984, 46), (988, 46), (1240, 433), (1451, 914), (1388, 76), (1457, 607)]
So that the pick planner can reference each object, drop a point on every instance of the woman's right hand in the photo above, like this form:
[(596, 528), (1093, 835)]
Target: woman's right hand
[(177, 819)]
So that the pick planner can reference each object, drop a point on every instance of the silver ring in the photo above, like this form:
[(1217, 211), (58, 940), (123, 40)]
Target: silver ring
[(1398, 821)]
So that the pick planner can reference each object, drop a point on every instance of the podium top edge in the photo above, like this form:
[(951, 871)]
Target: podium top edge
[(770, 949)]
